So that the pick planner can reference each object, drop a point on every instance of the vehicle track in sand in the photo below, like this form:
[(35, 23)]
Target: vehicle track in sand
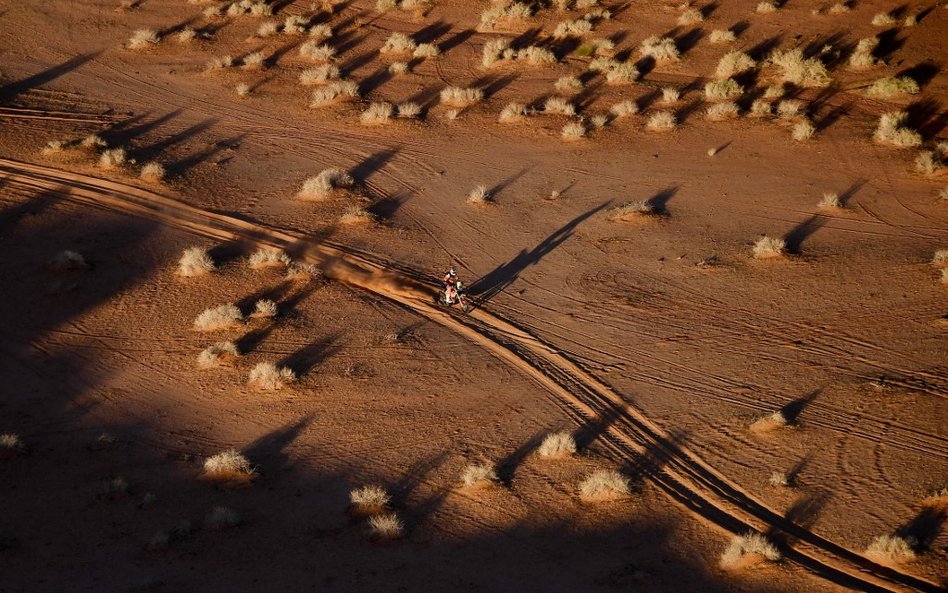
[(628, 434)]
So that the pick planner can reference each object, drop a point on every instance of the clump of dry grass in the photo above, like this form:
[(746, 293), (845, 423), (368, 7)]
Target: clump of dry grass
[(893, 85), (632, 211), (386, 527), (779, 480), (722, 36), (229, 466), (536, 55), (830, 201), (113, 158), (891, 130), (356, 215), (559, 106), (789, 108), (622, 73), (769, 247), (219, 354), (66, 261), (10, 445), (660, 49), (624, 108), (573, 131), (221, 518), (268, 257), (320, 32), (883, 19), (57, 146), (408, 110), (761, 108), (862, 57), (195, 261), (670, 95), (264, 308), (478, 475), (806, 72), (302, 271), (93, 141), (661, 121), (338, 89), (426, 50), (479, 195), (766, 8), (839, 8), (723, 90), (722, 111), (930, 161), (747, 549), (568, 84), (268, 29), (219, 63), (368, 501), (252, 61), (940, 258), (604, 484), (577, 28), (295, 25), (377, 114), (153, 171), (690, 16), (242, 89), (316, 51), (454, 96), (142, 38), (496, 50), (322, 186), (217, 318), (513, 112), (398, 68), (803, 131), (270, 377), (769, 422), (319, 74), (503, 17), (733, 63), (398, 43), (557, 444), (892, 549)]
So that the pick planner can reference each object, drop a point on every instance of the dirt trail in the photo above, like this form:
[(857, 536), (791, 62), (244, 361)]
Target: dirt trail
[(625, 431)]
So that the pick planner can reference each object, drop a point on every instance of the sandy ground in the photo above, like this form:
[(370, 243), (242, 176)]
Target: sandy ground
[(658, 342)]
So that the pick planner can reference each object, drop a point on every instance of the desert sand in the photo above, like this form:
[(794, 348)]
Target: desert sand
[(735, 319)]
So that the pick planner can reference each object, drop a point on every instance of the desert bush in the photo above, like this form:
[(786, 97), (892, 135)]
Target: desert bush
[(268, 257), (217, 354), (377, 113), (302, 271), (195, 261), (765, 8), (368, 500), (722, 36), (461, 97), (779, 479), (93, 141), (221, 518), (270, 377), (830, 201), (661, 49), (602, 64), (113, 158), (356, 215), (689, 16), (769, 247), (744, 548), (599, 47), (408, 110), (268, 29), (661, 121), (186, 35), (452, 114), (323, 185), (577, 28), (242, 89), (228, 466), (497, 17), (316, 51), (319, 75), (573, 131), (142, 38), (557, 444), (892, 549), (295, 25), (67, 260), (339, 89), (57, 146), (398, 43), (495, 50), (219, 63), (514, 112), (883, 19), (621, 73), (600, 120), (10, 445), (806, 72), (220, 317), (426, 50), (670, 95), (722, 111), (789, 108), (624, 109), (775, 91), (862, 57), (560, 106), (940, 258), (479, 195), (153, 171), (265, 308), (928, 162), (803, 130), (632, 211), (893, 85), (386, 5), (761, 108), (892, 131), (733, 63), (722, 90), (320, 32), (252, 61), (604, 484), (385, 527), (568, 83), (536, 55), (839, 8), (598, 14), (478, 475)]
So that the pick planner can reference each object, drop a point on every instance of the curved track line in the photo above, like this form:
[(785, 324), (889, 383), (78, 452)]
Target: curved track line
[(630, 435)]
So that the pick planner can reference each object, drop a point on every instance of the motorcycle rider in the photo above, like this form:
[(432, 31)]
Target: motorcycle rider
[(451, 284)]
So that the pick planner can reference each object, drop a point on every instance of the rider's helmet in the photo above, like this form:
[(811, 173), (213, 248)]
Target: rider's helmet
[(453, 272)]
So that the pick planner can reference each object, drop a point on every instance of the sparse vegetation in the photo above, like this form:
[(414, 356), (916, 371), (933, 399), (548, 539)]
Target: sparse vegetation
[(270, 377), (398, 68), (722, 111), (670, 95), (217, 318), (153, 171), (622, 73), (219, 354), (264, 308), (891, 130), (779, 480), (690, 16), (386, 527), (765, 8), (624, 109), (219, 63), (789, 108), (806, 72), (113, 158), (892, 549), (377, 113), (577, 28), (604, 484), (426, 50), (338, 89), (398, 43), (557, 444), (268, 257), (143, 38), (368, 500), (479, 195), (195, 261), (242, 89), (319, 74), (632, 211), (761, 108), (408, 110), (733, 63), (229, 466), (893, 85), (830, 201), (862, 57), (559, 106), (803, 130), (10, 445), (568, 84), (356, 215), (722, 36), (661, 121), (660, 49), (478, 475), (513, 112), (771, 421), (723, 90), (454, 96), (883, 19), (322, 186), (769, 247), (573, 131), (316, 51), (747, 548), (252, 61)]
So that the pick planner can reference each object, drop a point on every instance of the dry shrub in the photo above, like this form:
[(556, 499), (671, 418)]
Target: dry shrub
[(670, 95), (398, 68), (478, 475), (496, 50), (229, 466), (779, 480), (479, 195), (195, 261), (722, 36), (221, 518), (769, 422), (723, 90), (803, 131), (220, 63), (320, 32), (600, 120), (268, 257), (568, 84), (500, 17), (883, 19), (536, 55), (862, 57), (295, 25), (839, 8), (454, 96), (624, 109), (113, 158), (761, 108), (153, 171), (722, 111), (142, 38), (661, 49), (892, 549), (322, 186), (217, 318), (733, 63), (622, 73), (576, 28), (368, 501), (270, 377), (573, 131), (604, 484), (316, 51), (377, 114), (769, 247), (748, 549), (398, 43), (513, 112), (929, 162), (252, 61), (10, 445), (386, 527), (216, 355), (830, 201), (426, 50), (302, 271), (66, 261), (661, 121), (559, 106), (319, 75), (93, 141), (789, 108), (690, 16), (268, 29), (57, 146), (775, 91), (892, 131), (264, 308), (940, 258), (766, 8), (893, 85), (356, 215), (409, 110), (557, 444), (632, 211), (806, 72)]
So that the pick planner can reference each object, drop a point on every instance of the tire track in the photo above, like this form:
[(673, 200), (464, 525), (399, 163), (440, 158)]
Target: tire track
[(678, 472)]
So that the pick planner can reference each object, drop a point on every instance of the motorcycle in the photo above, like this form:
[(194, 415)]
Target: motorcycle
[(459, 298)]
